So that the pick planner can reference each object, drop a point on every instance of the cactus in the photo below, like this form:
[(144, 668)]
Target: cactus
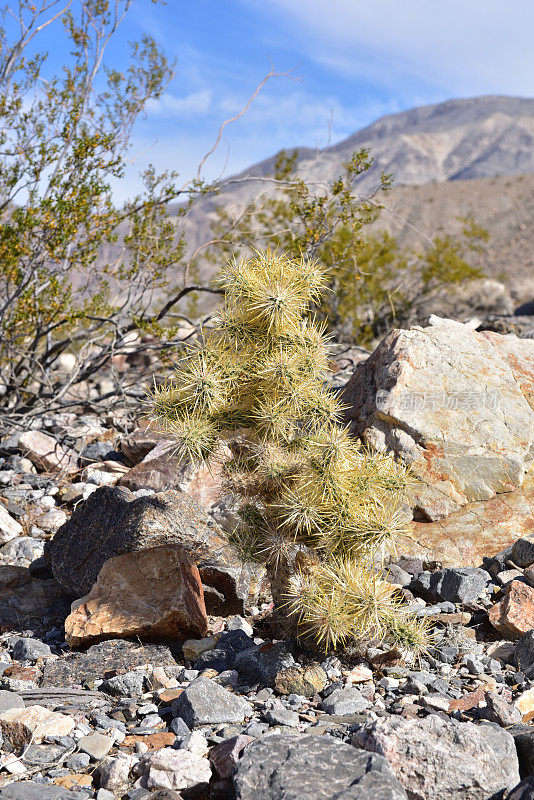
[(315, 508)]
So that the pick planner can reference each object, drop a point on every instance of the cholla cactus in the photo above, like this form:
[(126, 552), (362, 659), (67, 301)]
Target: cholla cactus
[(315, 508)]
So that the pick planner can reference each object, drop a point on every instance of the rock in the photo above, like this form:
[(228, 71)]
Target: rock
[(525, 702), (29, 603), (30, 650), (282, 716), (9, 527), (116, 655), (523, 551), (10, 700), (128, 684), (195, 742), (204, 702), (114, 774), (476, 531), (500, 711), (524, 742), (52, 520), (20, 726), (479, 447), (261, 664), (35, 790), (193, 648), (305, 681), (345, 701), (318, 767), (453, 584), (113, 521), (435, 758), (150, 594), (22, 551), (514, 614), (46, 453), (524, 654), (137, 444), (224, 756), (96, 745), (523, 791), (175, 769)]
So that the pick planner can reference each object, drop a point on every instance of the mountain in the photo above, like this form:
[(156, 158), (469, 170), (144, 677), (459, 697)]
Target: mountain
[(471, 150)]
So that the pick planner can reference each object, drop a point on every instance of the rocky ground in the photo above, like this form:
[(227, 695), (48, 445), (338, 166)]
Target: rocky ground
[(136, 656)]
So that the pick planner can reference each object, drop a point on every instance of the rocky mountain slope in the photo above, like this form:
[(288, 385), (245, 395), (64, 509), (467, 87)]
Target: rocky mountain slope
[(462, 156)]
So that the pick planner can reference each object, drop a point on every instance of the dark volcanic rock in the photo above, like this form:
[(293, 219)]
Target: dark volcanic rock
[(319, 767), (204, 702), (26, 602), (107, 657), (113, 521)]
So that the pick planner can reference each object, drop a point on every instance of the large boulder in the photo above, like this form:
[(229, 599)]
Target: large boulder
[(436, 758), (300, 767), (450, 403), (150, 594), (114, 521)]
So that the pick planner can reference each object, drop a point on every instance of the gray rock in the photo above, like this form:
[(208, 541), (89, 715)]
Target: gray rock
[(524, 790), (204, 702), (22, 550), (131, 684), (29, 603), (345, 701), (453, 584), (524, 654), (78, 761), (523, 551), (500, 711), (96, 745), (524, 741), (261, 664), (295, 767), (10, 700), (282, 716), (30, 650), (436, 758), (33, 790)]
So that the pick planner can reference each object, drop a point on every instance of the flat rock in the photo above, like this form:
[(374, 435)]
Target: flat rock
[(319, 767), (204, 702), (34, 790), (447, 402), (10, 700), (96, 745), (105, 657), (345, 701), (46, 453), (175, 769), (436, 758), (151, 594)]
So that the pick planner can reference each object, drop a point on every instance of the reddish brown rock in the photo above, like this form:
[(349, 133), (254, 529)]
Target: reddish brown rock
[(152, 594), (224, 756), (514, 614)]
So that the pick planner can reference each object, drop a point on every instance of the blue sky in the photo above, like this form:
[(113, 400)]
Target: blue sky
[(351, 61)]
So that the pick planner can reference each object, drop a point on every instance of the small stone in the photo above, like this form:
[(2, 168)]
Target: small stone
[(9, 527), (175, 769), (524, 654), (525, 702), (436, 701), (503, 578), (345, 701), (195, 742), (360, 674), (78, 761), (193, 648), (305, 681), (46, 453), (237, 623), (224, 756), (514, 614), (10, 700), (96, 745), (500, 711), (114, 774), (204, 702), (523, 551), (131, 684), (474, 666), (30, 650), (261, 664), (282, 716)]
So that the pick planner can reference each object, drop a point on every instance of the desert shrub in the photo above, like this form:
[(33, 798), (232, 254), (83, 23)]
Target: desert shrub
[(373, 284), (315, 508)]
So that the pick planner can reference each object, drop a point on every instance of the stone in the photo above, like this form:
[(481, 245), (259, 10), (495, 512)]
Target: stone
[(35, 790), (514, 614), (478, 530), (46, 453), (525, 702), (175, 769), (435, 758), (524, 742), (500, 711), (345, 701), (225, 755), (460, 584), (523, 551), (96, 745), (524, 654), (9, 527), (307, 766), (114, 773), (195, 742), (282, 716), (479, 447), (23, 550), (148, 594), (113, 521), (306, 681), (26, 602), (193, 648), (261, 664), (204, 702), (52, 520), (524, 790), (20, 726), (137, 444), (128, 684), (30, 650), (116, 655), (10, 700)]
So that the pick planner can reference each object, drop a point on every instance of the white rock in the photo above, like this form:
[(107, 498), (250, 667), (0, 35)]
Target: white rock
[(195, 743), (22, 725), (237, 623), (9, 527), (175, 769)]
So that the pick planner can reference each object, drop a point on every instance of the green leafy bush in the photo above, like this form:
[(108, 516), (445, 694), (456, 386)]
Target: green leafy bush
[(315, 508)]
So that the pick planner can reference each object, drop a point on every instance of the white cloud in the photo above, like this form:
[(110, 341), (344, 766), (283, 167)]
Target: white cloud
[(194, 103), (460, 46)]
